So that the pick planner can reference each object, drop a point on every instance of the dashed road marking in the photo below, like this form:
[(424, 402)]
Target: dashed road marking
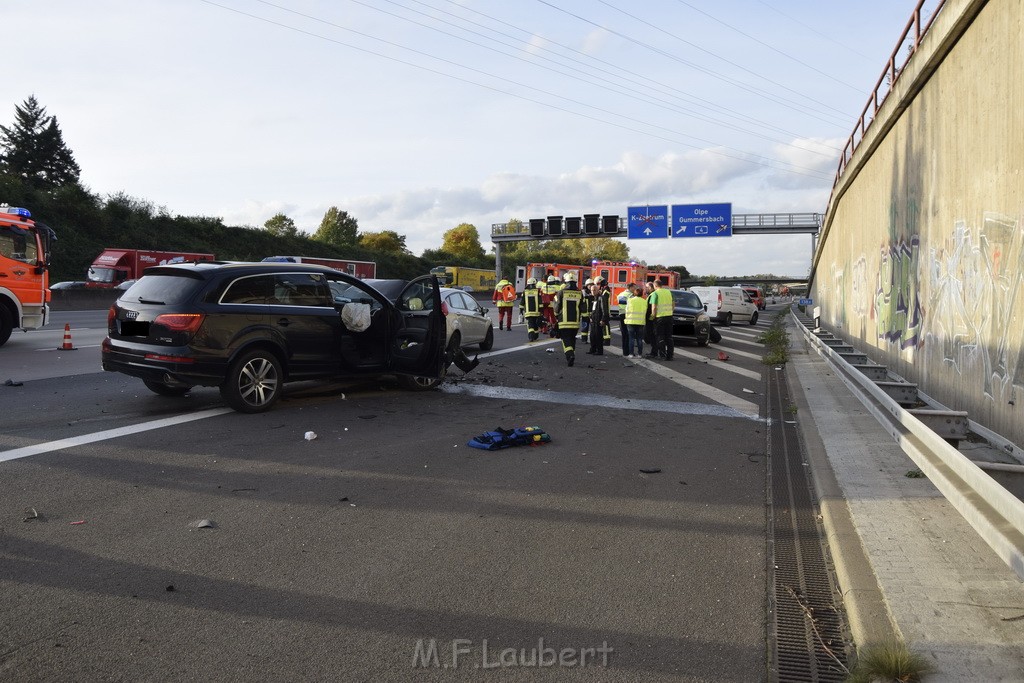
[(61, 444)]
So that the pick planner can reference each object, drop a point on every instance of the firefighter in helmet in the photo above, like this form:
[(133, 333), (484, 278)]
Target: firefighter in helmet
[(605, 292), (588, 303), (568, 306), (529, 308), (547, 298)]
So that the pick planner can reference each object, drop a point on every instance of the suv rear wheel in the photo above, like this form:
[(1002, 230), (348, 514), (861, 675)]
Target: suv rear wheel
[(418, 383), (253, 383)]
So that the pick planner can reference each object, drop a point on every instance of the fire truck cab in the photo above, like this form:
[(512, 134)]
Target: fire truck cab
[(542, 271), (24, 277), (619, 274)]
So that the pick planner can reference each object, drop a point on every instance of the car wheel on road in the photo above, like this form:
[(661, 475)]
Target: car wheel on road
[(753, 318), (6, 325), (453, 347), (488, 341), (253, 383), (728, 318), (165, 389), (418, 383)]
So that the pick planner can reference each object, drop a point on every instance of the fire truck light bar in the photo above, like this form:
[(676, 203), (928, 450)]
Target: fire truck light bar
[(17, 211)]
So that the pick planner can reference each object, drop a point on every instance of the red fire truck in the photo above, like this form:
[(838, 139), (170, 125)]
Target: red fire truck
[(542, 271), (364, 270), (114, 266), (24, 271), (619, 274)]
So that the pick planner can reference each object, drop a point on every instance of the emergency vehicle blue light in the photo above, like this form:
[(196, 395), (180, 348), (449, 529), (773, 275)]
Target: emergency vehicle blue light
[(17, 211)]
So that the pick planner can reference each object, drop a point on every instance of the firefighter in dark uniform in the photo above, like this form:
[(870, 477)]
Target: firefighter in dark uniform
[(529, 308), (588, 305), (568, 307), (605, 292)]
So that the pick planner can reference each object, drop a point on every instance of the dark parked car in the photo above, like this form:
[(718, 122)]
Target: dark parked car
[(689, 317), (250, 327), (70, 284)]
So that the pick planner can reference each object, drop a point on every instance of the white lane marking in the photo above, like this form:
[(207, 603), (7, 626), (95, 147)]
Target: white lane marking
[(736, 340), (580, 399), (529, 345), (725, 398), (61, 444), (745, 407), (732, 352), (721, 365)]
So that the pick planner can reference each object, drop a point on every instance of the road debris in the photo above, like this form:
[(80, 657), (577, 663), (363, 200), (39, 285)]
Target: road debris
[(203, 524), (310, 436), (650, 470)]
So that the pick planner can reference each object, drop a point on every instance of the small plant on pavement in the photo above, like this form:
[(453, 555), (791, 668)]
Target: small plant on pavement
[(892, 661), (776, 341)]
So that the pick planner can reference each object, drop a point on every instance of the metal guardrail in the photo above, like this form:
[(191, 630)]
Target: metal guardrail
[(994, 512)]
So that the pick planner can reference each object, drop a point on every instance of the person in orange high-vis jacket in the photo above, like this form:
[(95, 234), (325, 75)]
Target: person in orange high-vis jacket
[(505, 298)]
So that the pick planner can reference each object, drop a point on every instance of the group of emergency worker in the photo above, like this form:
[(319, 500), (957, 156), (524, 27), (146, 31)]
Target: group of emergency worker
[(566, 310)]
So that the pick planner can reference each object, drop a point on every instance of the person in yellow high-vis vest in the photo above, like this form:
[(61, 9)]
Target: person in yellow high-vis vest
[(662, 309), (636, 317)]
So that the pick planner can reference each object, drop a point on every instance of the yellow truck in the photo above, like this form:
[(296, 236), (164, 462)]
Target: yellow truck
[(468, 279)]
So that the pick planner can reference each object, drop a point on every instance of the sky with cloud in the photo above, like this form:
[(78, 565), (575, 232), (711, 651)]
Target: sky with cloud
[(418, 115)]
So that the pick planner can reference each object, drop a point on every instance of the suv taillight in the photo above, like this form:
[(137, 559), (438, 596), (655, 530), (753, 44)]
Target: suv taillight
[(180, 322), (444, 308), (111, 317)]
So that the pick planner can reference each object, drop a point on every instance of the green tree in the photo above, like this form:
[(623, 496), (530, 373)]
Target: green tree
[(463, 241), (33, 149), (281, 226), (387, 241), (337, 228), (683, 271)]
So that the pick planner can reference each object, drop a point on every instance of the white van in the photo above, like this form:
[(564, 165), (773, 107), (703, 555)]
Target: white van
[(725, 304)]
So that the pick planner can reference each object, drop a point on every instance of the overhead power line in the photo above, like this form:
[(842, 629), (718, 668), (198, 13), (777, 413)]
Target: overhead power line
[(746, 157)]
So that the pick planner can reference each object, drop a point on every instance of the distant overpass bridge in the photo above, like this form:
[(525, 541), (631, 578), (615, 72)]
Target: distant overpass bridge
[(616, 226), (791, 282)]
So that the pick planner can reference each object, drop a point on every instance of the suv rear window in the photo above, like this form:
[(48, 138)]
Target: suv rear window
[(164, 289)]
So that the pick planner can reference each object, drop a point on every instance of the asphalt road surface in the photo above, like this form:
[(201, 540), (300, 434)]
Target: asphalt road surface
[(385, 548)]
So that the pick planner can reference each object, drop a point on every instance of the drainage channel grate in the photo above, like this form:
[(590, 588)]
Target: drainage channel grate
[(808, 641)]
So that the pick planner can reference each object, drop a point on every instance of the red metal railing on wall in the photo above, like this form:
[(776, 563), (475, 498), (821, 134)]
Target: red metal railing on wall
[(909, 41)]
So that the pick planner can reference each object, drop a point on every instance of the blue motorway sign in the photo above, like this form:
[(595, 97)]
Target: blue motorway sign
[(702, 220), (647, 222), (806, 302)]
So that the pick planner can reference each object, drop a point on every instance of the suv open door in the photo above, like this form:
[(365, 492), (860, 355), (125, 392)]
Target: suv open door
[(417, 353)]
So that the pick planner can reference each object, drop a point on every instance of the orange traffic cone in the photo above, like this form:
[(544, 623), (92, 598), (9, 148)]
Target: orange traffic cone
[(67, 345)]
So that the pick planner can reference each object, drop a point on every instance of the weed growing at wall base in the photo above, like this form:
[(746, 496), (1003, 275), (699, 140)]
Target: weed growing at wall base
[(776, 341)]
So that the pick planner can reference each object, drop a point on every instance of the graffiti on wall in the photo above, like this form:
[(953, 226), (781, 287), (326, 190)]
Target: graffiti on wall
[(898, 315), (974, 279), (860, 296)]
